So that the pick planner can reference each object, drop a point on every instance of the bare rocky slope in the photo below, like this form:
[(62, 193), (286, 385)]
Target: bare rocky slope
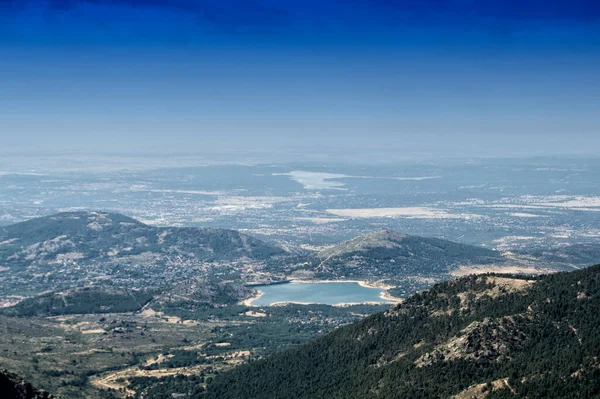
[(79, 248)]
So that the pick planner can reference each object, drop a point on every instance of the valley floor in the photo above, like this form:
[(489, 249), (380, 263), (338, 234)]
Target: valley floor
[(99, 355)]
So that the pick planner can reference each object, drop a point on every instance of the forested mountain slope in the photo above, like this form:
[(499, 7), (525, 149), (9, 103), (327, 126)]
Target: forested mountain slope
[(386, 253), (14, 387), (479, 336), (86, 300)]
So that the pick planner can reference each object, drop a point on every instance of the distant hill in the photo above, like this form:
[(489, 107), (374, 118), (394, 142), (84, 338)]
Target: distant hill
[(578, 255), (85, 235), (385, 253), (208, 290), (14, 387), (63, 249), (80, 301), (487, 336)]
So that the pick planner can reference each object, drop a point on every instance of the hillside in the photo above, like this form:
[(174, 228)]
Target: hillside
[(386, 253), (60, 251), (85, 235), (14, 387), (485, 336), (80, 301)]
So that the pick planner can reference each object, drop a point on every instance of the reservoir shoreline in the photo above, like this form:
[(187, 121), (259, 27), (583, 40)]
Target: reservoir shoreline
[(385, 296)]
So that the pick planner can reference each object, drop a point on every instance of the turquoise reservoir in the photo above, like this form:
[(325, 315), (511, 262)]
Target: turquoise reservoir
[(325, 293)]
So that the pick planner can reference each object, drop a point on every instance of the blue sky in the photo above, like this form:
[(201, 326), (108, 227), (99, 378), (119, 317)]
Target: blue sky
[(430, 76)]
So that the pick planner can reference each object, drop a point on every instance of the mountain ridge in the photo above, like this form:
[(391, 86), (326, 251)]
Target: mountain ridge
[(116, 229), (386, 253), (481, 336), (72, 249)]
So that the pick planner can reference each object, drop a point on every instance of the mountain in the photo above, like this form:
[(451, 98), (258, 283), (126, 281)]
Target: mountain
[(487, 336), (209, 289), (66, 248), (386, 253), (87, 300), (14, 387), (85, 235)]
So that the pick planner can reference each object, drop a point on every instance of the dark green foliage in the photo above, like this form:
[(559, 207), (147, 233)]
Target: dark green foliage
[(283, 326), (14, 387), (81, 301), (404, 287), (211, 290), (542, 338)]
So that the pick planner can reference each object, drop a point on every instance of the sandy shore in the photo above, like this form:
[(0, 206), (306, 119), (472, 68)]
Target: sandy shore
[(342, 304), (362, 283), (248, 302), (386, 295), (284, 303)]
